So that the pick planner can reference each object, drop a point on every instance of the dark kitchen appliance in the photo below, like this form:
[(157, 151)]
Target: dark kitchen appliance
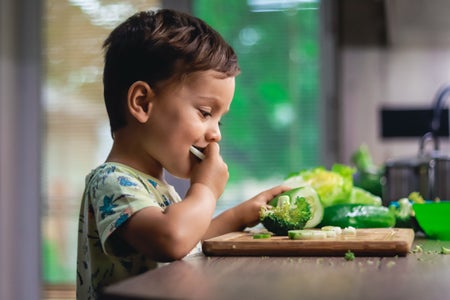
[(427, 173)]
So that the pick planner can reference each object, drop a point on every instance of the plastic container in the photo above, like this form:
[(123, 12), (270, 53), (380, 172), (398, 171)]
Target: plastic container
[(434, 219)]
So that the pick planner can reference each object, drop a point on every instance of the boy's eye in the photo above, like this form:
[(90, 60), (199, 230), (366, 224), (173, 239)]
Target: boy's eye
[(205, 113)]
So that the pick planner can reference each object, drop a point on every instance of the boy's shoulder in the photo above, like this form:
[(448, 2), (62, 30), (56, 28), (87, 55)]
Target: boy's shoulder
[(121, 181), (109, 172), (107, 169)]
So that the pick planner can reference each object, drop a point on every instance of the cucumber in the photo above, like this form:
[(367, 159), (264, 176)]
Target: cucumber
[(262, 235), (358, 216)]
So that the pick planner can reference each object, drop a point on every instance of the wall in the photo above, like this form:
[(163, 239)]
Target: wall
[(20, 111), (404, 68), (372, 78)]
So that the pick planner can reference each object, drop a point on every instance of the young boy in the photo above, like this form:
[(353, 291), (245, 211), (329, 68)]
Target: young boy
[(168, 80)]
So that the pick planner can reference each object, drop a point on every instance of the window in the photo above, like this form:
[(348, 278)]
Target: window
[(270, 131), (77, 134)]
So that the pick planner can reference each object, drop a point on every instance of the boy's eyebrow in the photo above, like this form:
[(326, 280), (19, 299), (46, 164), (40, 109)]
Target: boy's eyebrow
[(209, 97), (215, 101)]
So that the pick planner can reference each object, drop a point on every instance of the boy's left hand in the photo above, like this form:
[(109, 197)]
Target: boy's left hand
[(243, 215), (248, 211)]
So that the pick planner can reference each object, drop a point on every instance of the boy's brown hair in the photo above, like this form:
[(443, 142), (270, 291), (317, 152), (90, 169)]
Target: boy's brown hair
[(157, 46)]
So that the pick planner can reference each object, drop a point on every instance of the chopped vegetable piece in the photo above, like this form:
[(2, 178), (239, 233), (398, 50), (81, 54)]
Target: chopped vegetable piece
[(349, 256), (306, 235), (417, 249), (330, 233), (445, 250), (349, 231), (390, 264), (327, 228), (262, 235), (335, 229)]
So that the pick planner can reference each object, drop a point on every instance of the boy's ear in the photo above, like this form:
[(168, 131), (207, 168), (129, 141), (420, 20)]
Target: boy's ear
[(140, 100)]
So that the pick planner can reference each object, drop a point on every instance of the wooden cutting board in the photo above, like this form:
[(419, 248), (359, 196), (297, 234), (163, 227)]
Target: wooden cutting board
[(366, 242)]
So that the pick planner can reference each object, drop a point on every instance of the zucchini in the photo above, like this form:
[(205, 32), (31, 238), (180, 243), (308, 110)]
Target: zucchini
[(358, 216), (262, 235)]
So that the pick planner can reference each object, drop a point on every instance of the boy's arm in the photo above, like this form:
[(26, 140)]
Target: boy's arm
[(243, 215), (172, 234)]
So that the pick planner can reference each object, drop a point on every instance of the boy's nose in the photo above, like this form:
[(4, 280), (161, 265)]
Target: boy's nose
[(213, 134)]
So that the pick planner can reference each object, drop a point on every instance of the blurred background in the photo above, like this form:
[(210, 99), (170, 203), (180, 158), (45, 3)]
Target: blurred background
[(316, 78)]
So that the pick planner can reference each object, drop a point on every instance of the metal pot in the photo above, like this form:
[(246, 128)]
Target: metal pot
[(401, 177), (427, 173), (441, 178)]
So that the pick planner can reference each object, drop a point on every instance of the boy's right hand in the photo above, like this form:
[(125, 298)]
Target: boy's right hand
[(212, 171)]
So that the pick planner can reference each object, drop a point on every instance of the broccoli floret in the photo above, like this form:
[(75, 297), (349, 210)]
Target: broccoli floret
[(404, 210), (349, 256), (287, 215), (404, 213), (295, 209)]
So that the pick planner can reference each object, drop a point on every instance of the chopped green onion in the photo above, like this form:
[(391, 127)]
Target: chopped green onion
[(262, 235), (303, 234)]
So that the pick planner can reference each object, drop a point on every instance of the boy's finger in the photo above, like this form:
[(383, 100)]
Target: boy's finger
[(212, 148)]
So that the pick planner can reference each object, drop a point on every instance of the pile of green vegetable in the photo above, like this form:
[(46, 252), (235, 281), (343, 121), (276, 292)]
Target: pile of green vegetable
[(342, 196), (321, 197)]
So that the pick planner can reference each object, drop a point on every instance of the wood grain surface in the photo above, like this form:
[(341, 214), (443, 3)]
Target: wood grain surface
[(419, 275), (370, 242)]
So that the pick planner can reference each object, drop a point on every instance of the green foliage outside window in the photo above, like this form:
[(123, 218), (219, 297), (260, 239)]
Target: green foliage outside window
[(272, 128)]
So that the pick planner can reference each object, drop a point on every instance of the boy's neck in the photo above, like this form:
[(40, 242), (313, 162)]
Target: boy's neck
[(123, 151)]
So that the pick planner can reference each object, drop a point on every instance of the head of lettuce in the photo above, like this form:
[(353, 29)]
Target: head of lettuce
[(334, 186)]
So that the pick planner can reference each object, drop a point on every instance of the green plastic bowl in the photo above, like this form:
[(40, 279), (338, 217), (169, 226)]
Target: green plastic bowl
[(434, 219)]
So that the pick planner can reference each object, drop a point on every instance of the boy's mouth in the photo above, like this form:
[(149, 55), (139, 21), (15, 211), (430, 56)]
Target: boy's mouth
[(197, 152)]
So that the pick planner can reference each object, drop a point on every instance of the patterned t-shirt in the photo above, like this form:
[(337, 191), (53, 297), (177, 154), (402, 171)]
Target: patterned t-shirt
[(113, 193)]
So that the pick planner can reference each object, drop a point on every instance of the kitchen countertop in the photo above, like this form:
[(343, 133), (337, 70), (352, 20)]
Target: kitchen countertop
[(419, 275)]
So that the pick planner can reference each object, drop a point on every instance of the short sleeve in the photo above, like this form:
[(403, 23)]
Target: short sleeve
[(115, 197)]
